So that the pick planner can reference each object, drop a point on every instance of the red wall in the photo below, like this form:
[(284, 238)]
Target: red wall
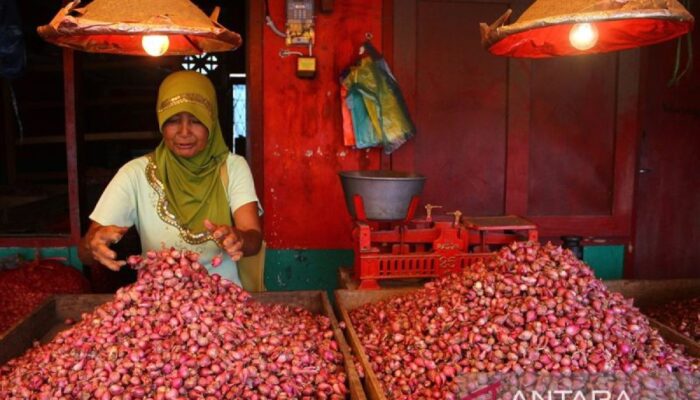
[(303, 148)]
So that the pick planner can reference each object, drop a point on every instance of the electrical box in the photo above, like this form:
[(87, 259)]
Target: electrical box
[(300, 22), (306, 67)]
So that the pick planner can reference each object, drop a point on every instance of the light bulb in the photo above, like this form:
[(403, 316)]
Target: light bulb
[(155, 45), (583, 36)]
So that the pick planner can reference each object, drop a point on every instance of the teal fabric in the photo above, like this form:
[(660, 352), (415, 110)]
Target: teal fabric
[(362, 124)]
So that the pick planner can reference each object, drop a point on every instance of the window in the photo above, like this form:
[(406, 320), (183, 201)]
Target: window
[(239, 108), (203, 63)]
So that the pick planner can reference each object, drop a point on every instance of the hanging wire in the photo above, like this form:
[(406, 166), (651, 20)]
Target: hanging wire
[(675, 79), (271, 23), (15, 108)]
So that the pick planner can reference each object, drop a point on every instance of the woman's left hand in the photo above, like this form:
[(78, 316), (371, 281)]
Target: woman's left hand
[(228, 238)]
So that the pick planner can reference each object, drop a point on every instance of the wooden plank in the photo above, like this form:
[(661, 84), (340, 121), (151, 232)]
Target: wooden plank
[(627, 142), (354, 383), (582, 225), (691, 347), (403, 65), (48, 319), (348, 300), (650, 292), (21, 336), (498, 223)]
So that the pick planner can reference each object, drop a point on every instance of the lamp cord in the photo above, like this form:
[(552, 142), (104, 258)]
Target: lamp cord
[(675, 79)]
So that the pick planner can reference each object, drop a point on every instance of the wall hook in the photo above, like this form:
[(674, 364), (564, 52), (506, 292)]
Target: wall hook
[(286, 53)]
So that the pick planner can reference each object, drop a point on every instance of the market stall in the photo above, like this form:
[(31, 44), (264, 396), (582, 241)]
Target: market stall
[(349, 199)]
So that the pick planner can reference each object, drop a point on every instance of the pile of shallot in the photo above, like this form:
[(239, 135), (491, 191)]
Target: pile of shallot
[(681, 315), (534, 308), (178, 332), (16, 302), (24, 285)]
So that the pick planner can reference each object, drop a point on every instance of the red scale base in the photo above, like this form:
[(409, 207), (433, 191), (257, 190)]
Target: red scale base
[(422, 248)]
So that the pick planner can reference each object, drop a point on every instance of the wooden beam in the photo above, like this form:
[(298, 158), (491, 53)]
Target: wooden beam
[(36, 241), (71, 144), (254, 84)]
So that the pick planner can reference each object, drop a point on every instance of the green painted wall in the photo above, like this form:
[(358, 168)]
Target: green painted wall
[(304, 269), (70, 254), (606, 261)]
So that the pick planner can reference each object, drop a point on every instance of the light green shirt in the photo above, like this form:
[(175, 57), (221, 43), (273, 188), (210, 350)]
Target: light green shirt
[(129, 200)]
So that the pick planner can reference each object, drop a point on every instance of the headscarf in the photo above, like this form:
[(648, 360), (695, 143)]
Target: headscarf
[(193, 186)]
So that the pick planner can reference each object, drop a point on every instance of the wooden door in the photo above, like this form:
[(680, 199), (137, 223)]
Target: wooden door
[(668, 194), (553, 140)]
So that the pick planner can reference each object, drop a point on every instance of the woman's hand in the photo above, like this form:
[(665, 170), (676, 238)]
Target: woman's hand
[(95, 245), (228, 238)]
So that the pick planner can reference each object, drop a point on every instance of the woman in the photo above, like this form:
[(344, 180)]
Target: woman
[(190, 193)]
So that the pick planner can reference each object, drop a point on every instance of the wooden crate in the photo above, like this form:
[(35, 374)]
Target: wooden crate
[(651, 293), (48, 319), (648, 293), (348, 300)]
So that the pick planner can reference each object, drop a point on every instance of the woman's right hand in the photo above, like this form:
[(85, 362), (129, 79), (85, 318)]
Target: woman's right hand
[(95, 245)]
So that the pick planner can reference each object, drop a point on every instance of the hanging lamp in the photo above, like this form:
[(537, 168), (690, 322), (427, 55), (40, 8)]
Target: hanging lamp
[(551, 28), (139, 27)]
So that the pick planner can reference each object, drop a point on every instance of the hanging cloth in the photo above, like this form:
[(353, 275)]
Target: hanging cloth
[(348, 131), (378, 110)]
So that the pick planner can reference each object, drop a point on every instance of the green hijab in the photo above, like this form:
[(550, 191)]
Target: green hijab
[(193, 186)]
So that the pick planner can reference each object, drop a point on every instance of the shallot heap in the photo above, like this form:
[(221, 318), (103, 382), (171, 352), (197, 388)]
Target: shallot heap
[(681, 315), (179, 333), (534, 308)]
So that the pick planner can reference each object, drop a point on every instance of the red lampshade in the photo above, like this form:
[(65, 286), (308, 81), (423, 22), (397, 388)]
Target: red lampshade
[(544, 29), (118, 27)]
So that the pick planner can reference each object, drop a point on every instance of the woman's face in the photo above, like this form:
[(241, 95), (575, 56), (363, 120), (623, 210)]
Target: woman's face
[(185, 135)]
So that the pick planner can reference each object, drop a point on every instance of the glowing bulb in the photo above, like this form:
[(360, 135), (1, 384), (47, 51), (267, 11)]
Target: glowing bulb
[(583, 36), (155, 45)]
